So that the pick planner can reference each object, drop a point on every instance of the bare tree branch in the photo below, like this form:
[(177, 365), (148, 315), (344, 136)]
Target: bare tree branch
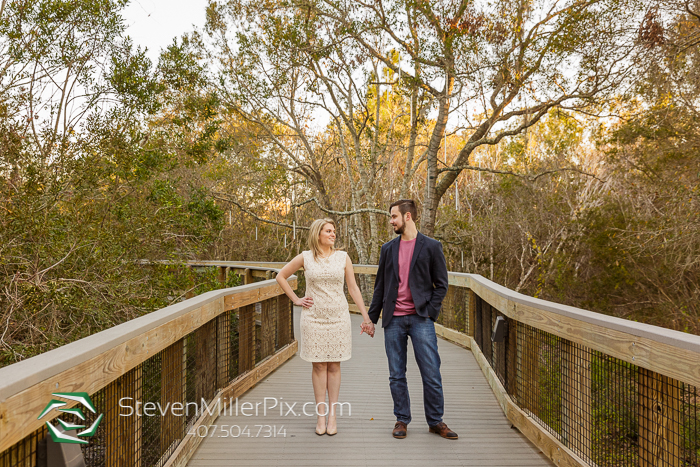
[(532, 178)]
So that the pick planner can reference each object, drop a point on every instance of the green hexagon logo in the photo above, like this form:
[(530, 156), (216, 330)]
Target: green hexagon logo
[(57, 435)]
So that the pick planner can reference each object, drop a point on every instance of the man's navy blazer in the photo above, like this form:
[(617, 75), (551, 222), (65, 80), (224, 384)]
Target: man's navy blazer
[(427, 279)]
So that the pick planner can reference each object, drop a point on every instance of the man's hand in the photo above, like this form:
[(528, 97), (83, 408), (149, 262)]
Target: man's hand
[(367, 327)]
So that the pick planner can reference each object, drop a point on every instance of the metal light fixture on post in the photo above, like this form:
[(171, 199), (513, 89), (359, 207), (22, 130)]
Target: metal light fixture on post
[(500, 329)]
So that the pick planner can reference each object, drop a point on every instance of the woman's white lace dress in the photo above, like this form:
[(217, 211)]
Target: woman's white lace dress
[(325, 326)]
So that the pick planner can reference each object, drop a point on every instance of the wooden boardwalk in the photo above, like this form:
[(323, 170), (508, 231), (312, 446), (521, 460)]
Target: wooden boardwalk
[(364, 436)]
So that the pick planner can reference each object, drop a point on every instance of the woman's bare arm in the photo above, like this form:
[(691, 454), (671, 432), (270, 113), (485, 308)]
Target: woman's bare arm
[(289, 269), (356, 295)]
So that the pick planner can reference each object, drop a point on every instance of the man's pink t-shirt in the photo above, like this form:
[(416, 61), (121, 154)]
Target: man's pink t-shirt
[(404, 300)]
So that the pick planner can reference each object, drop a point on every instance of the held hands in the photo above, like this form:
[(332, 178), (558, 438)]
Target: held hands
[(368, 327), (305, 302)]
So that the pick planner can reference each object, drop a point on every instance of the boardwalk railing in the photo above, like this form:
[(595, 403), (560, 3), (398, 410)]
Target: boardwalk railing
[(587, 389), (151, 380)]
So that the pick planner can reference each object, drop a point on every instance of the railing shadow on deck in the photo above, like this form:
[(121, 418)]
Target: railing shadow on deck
[(587, 389)]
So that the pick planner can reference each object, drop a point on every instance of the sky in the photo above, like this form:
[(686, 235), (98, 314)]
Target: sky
[(154, 23)]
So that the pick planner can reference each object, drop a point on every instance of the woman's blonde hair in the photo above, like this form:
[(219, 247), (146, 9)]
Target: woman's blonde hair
[(315, 233)]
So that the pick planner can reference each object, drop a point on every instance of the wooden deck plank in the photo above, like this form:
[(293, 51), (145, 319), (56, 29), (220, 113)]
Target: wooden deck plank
[(364, 436)]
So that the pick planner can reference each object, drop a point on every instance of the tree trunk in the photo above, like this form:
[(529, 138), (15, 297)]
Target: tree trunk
[(432, 197)]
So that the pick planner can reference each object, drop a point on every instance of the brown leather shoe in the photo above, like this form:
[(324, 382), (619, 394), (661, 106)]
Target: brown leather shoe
[(442, 430), (399, 430)]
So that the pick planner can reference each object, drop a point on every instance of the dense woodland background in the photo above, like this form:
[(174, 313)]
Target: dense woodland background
[(553, 147)]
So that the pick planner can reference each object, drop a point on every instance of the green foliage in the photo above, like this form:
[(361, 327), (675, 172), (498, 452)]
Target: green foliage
[(180, 67), (130, 76), (82, 204)]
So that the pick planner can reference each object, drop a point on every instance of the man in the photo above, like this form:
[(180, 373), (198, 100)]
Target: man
[(410, 286)]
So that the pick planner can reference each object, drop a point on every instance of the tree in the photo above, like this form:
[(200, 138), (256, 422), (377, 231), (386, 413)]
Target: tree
[(88, 185), (496, 68), (282, 75)]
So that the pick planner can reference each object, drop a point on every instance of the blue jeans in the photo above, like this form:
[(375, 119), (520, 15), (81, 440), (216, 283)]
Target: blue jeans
[(424, 341)]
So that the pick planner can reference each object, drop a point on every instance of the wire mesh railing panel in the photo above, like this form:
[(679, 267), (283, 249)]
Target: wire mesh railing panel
[(151, 377), (614, 417), (607, 411), (482, 330), (94, 452), (258, 332), (539, 373), (668, 421), (171, 397), (123, 428), (148, 410), (246, 338), (266, 328), (233, 346), (576, 397), (26, 453), (223, 349), (690, 425), (455, 309), (284, 325)]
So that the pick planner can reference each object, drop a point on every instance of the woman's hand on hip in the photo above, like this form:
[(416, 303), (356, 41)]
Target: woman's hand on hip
[(305, 302)]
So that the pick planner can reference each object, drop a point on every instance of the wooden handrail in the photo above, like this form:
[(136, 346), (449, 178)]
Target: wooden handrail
[(665, 365), (92, 363), (666, 359), (665, 351)]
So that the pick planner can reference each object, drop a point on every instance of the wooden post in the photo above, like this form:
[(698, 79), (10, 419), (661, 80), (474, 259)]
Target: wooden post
[(205, 361), (246, 338), (472, 313), (223, 270), (247, 277), (659, 420), (22, 454), (499, 350), (486, 344), (124, 435), (267, 321), (284, 320), (512, 359), (223, 349), (576, 398), (172, 383), (478, 317)]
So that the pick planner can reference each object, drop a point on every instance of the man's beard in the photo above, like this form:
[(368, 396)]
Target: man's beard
[(399, 230)]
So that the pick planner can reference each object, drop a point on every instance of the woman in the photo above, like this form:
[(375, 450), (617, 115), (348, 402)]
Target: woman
[(326, 338)]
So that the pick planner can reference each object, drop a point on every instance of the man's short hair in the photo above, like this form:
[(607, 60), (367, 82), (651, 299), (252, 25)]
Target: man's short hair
[(406, 205)]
